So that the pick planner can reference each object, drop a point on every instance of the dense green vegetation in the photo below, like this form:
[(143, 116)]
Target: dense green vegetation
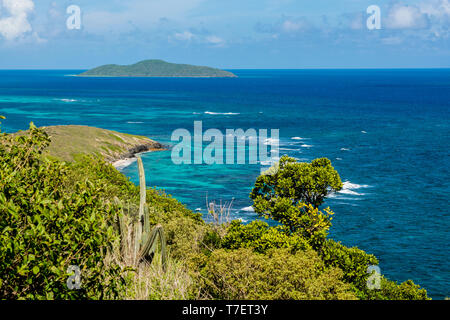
[(155, 68), (45, 227), (55, 214)]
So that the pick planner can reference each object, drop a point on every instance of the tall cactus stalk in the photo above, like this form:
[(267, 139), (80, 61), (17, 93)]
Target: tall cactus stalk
[(142, 205), (145, 238)]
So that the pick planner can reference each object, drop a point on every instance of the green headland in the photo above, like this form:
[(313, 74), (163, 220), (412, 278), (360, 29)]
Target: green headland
[(69, 141)]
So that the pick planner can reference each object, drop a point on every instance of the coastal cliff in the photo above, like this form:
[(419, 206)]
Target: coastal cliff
[(68, 141)]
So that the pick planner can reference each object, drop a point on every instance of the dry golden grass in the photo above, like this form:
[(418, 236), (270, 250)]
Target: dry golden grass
[(70, 140)]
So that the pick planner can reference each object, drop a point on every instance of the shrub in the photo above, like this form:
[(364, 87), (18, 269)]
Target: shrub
[(352, 261), (184, 228), (244, 274), (43, 230), (260, 237), (390, 290)]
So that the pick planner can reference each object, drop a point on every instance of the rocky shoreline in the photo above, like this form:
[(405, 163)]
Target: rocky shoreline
[(131, 155)]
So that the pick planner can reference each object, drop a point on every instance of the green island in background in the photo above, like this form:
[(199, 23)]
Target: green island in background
[(156, 68), (63, 204)]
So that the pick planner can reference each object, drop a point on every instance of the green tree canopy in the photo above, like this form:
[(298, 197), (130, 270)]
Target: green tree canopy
[(293, 191), (298, 181)]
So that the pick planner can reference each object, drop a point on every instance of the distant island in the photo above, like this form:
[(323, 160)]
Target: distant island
[(156, 68)]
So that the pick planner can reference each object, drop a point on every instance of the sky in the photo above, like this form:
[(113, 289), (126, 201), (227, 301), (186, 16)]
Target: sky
[(231, 34)]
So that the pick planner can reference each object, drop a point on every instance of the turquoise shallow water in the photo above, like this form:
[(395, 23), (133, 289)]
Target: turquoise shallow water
[(386, 132)]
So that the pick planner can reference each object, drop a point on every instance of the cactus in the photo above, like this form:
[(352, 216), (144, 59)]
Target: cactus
[(145, 238)]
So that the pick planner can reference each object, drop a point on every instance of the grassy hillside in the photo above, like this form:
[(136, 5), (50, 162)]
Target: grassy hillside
[(155, 68), (71, 140)]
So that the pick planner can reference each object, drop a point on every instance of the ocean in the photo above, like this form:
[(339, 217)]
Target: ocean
[(385, 131)]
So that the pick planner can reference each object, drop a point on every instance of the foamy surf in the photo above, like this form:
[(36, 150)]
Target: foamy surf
[(348, 188), (271, 141), (349, 192), (222, 113), (68, 100), (123, 163), (288, 149)]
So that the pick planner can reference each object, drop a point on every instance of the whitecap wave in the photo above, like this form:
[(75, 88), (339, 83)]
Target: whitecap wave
[(306, 146), (222, 113), (351, 192), (135, 122), (271, 141), (248, 209), (288, 149), (349, 185), (67, 100), (298, 138), (345, 149), (348, 188), (273, 160)]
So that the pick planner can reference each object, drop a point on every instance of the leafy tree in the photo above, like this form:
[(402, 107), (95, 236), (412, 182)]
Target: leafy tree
[(295, 182), (293, 193)]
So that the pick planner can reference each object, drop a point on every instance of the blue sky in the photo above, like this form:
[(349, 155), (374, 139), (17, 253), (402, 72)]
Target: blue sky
[(225, 34)]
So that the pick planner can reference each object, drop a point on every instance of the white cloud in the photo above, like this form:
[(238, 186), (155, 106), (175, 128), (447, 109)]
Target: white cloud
[(405, 17), (197, 38), (436, 8), (432, 17), (216, 41), (357, 22), (141, 14), (438, 13), (16, 24), (184, 36), (392, 40), (291, 26)]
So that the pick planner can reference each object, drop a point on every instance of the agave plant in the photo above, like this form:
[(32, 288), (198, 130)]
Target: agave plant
[(145, 243)]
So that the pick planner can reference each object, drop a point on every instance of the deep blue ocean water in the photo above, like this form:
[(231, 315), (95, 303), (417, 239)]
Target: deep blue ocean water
[(386, 132)]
